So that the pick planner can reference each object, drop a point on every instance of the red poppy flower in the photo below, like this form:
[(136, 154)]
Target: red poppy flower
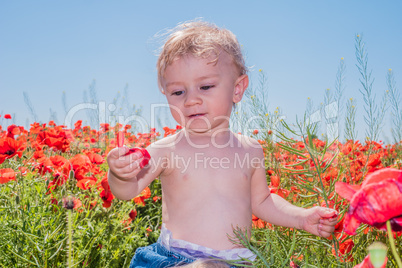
[(86, 183), (10, 147), (144, 153), (44, 165), (145, 194), (95, 158), (375, 202), (169, 131), (13, 130), (6, 175), (292, 264), (7, 116), (107, 198), (55, 137), (132, 214), (81, 165), (345, 247), (59, 179), (258, 223), (106, 193), (275, 181)]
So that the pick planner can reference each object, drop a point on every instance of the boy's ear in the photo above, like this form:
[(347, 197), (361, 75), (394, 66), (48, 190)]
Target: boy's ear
[(240, 86)]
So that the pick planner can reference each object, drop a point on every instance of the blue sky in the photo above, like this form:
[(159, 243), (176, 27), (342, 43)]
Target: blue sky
[(47, 47)]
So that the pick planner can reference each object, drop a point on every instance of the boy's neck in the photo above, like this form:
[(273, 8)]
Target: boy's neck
[(221, 132), (218, 136)]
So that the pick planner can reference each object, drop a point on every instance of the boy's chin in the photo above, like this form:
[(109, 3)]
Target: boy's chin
[(198, 130)]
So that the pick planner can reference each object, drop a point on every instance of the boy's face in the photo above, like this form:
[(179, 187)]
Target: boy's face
[(200, 93)]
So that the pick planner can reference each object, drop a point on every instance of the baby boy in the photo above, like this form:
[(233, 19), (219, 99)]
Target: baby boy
[(212, 179)]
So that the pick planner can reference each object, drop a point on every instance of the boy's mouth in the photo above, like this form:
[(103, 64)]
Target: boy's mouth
[(195, 115)]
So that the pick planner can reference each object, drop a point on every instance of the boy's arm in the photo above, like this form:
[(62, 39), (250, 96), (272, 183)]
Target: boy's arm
[(271, 207), (126, 179), (276, 210)]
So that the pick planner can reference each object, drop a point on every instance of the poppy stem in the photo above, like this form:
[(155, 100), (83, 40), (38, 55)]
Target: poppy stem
[(70, 238), (392, 244)]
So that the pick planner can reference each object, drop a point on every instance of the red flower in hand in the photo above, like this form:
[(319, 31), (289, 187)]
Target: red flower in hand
[(144, 153), (375, 202)]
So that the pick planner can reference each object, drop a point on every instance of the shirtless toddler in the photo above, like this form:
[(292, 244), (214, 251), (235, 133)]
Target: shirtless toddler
[(212, 179)]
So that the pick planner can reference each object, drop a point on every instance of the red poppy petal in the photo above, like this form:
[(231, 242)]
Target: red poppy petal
[(146, 159), (350, 224), (133, 214), (346, 190), (381, 175), (144, 153), (380, 201), (120, 139)]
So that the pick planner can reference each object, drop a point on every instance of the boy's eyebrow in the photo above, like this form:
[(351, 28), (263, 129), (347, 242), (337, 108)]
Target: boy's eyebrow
[(207, 76), (173, 83), (197, 79)]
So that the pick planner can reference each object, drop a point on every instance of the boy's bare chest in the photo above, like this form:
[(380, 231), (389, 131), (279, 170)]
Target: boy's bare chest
[(209, 159), (206, 166)]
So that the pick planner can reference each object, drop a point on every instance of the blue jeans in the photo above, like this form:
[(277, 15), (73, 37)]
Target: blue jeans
[(156, 256)]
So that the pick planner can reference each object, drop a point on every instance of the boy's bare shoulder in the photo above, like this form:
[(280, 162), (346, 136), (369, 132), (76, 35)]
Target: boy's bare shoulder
[(160, 152), (164, 145), (249, 144)]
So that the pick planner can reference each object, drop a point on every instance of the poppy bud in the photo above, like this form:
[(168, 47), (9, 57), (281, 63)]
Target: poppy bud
[(378, 253), (68, 202)]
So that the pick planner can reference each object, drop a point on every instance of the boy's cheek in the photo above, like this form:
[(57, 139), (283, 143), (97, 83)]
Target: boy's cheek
[(177, 115)]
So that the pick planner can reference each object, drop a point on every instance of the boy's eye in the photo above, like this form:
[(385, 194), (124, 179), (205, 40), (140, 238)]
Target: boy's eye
[(178, 93), (206, 87)]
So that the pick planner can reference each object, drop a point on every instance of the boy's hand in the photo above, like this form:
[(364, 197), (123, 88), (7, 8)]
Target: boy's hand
[(123, 164), (320, 221)]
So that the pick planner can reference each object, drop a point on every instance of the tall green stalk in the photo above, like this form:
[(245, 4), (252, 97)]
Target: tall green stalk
[(68, 203), (392, 244), (350, 120), (306, 133), (395, 99), (70, 238), (374, 115)]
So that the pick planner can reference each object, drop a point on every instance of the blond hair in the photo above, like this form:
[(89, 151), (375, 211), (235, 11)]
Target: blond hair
[(200, 39)]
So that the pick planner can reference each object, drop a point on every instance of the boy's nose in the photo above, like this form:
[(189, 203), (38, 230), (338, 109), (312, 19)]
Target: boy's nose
[(192, 98)]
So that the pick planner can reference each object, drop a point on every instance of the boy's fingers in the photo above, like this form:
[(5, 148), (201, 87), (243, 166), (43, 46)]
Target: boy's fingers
[(327, 228), (122, 154), (129, 171), (129, 164), (324, 234), (328, 213), (130, 168), (330, 221), (122, 151)]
